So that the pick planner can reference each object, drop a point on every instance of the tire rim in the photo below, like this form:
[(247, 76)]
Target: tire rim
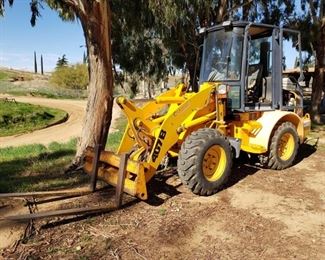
[(286, 146), (214, 163)]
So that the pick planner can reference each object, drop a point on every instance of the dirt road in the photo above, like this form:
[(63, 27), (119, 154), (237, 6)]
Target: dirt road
[(58, 133)]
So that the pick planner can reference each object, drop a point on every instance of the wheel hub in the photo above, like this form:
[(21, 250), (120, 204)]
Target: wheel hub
[(286, 146), (214, 163)]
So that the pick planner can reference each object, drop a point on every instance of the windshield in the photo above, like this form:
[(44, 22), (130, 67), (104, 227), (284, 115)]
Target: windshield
[(222, 55)]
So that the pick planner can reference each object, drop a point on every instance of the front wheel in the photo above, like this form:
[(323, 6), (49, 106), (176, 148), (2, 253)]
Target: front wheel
[(205, 161)]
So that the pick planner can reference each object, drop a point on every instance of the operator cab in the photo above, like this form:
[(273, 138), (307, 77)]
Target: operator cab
[(248, 59)]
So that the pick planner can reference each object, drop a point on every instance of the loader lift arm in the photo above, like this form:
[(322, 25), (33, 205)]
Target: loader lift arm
[(148, 139)]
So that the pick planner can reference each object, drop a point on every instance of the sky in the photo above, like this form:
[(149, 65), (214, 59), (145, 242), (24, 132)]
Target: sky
[(50, 37)]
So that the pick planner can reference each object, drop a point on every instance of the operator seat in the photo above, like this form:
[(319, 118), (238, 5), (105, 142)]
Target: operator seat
[(255, 80), (255, 88)]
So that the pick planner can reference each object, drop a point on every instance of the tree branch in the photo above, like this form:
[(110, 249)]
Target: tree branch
[(312, 11), (78, 7)]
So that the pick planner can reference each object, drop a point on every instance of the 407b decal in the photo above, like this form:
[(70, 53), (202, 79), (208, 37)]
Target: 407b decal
[(158, 145)]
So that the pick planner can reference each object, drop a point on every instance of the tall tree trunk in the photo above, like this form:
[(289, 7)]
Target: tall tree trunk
[(35, 63), (42, 68), (96, 23), (192, 69), (319, 77)]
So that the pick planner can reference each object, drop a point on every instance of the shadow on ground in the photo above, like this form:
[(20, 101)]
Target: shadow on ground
[(44, 171)]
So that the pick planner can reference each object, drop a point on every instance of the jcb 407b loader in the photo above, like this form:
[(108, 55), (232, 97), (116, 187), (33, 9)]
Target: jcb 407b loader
[(241, 105)]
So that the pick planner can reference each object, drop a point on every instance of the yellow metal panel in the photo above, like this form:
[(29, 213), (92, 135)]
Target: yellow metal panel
[(169, 100), (269, 120), (199, 120), (307, 125), (113, 160), (127, 141), (168, 135)]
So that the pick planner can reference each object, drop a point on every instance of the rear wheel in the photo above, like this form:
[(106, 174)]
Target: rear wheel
[(205, 161), (284, 146)]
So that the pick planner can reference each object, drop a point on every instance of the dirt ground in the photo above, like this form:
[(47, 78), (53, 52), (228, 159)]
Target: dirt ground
[(262, 214)]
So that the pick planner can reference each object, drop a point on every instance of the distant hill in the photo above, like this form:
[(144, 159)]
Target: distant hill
[(13, 75)]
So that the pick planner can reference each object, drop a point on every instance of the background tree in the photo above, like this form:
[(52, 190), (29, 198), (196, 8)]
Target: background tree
[(35, 63), (177, 23), (136, 45), (42, 68), (62, 62), (95, 18), (307, 16), (311, 21)]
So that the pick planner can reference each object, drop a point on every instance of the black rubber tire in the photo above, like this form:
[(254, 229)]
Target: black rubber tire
[(274, 161), (190, 160)]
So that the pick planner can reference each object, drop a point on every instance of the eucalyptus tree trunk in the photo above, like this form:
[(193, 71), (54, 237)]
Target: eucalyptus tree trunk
[(319, 77), (95, 17)]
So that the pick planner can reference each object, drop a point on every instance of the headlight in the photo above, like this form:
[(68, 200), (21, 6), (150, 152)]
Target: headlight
[(222, 89)]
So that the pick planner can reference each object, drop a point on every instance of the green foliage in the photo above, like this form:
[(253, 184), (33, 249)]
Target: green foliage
[(18, 118), (71, 77), (62, 62), (136, 46), (64, 10)]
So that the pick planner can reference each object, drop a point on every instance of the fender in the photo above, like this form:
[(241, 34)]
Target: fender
[(270, 119)]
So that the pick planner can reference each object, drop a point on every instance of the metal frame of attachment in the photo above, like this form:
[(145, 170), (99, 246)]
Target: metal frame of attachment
[(121, 180), (54, 195), (66, 194), (57, 213)]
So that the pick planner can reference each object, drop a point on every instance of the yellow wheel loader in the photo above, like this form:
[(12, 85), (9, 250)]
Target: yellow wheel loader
[(241, 105)]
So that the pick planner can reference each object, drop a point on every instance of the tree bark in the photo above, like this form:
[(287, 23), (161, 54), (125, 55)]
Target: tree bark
[(149, 89), (222, 11), (319, 77), (95, 17), (193, 74)]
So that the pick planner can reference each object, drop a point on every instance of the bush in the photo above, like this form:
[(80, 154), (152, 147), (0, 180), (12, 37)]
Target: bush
[(73, 77)]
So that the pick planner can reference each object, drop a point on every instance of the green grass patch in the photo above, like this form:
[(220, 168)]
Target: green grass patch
[(18, 118), (37, 167), (3, 75), (114, 139)]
